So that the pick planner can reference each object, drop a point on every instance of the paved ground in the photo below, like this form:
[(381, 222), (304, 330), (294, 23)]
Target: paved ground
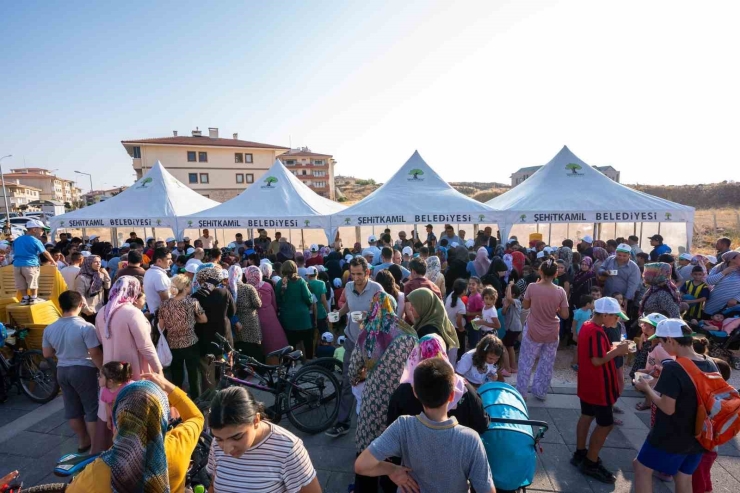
[(39, 435)]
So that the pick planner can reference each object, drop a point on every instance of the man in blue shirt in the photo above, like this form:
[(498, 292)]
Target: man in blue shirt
[(26, 267)]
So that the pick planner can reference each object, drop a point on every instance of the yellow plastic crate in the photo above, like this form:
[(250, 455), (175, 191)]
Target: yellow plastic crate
[(34, 337), (7, 282), (4, 302), (39, 314)]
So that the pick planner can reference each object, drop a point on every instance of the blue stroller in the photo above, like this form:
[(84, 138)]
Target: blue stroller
[(510, 440)]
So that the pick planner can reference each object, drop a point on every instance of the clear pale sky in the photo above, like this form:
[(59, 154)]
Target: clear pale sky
[(479, 88)]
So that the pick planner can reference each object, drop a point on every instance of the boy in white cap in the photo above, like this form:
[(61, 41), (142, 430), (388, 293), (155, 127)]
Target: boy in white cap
[(26, 266), (598, 389), (684, 268), (326, 347), (671, 447)]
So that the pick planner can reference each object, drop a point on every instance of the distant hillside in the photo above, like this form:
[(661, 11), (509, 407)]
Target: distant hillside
[(709, 196)]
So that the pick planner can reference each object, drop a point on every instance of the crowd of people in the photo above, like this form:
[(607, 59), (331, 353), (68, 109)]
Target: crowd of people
[(418, 324)]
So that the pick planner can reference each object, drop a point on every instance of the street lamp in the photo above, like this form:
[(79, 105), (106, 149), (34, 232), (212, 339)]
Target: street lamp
[(89, 176), (6, 229)]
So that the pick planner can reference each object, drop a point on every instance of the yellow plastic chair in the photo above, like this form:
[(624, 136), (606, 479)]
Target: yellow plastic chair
[(7, 291)]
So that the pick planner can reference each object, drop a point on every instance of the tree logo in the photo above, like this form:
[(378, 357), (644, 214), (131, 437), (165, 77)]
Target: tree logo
[(159, 222), (347, 220), (307, 222), (481, 217), (144, 183), (269, 181), (416, 173), (190, 224), (668, 216), (61, 224), (523, 217), (574, 167)]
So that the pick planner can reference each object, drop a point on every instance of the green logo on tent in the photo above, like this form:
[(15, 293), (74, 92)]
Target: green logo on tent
[(190, 223), (144, 183), (347, 220), (416, 173), (573, 167), (667, 216), (523, 217), (481, 217), (61, 224), (159, 222), (306, 222), (269, 181)]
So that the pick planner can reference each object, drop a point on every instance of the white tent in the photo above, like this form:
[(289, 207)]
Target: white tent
[(278, 200), (154, 201), (416, 194), (567, 190)]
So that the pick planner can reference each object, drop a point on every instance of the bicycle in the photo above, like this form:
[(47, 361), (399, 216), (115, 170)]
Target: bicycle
[(27, 370), (312, 391)]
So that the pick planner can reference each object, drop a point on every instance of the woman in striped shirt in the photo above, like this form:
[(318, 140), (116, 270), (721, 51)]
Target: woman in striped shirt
[(249, 454), (725, 279)]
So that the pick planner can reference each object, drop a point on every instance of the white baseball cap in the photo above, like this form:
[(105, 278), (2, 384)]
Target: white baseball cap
[(149, 238), (454, 244), (541, 254), (314, 247), (407, 250), (686, 256), (193, 261), (187, 238), (547, 249), (311, 271), (348, 257), (624, 248), (340, 340), (85, 253), (92, 237), (588, 239), (609, 306), (470, 244), (368, 253), (653, 319), (192, 267), (372, 239), (170, 239), (190, 251), (337, 282), (712, 259), (33, 223), (265, 261), (327, 337), (126, 245), (671, 327)]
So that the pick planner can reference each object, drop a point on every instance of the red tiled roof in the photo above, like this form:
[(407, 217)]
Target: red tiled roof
[(303, 154), (33, 175), (202, 141)]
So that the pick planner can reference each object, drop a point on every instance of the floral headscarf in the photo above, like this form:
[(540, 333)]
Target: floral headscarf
[(600, 254), (86, 270), (208, 280), (434, 268), (137, 459), (235, 278), (381, 327), (431, 346), (566, 255), (481, 262), (125, 290), (657, 275), (253, 276)]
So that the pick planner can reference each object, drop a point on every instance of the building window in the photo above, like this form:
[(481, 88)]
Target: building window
[(191, 156), (250, 178), (206, 195), (238, 157), (192, 177), (319, 173), (290, 162), (137, 152), (318, 162), (202, 157), (247, 158), (320, 184), (304, 172), (204, 177), (239, 178)]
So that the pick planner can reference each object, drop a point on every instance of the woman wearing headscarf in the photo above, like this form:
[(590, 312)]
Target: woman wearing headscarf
[(125, 334), (662, 295), (457, 267), (294, 301), (566, 255), (378, 359), (430, 317), (496, 278), (481, 262), (286, 251), (434, 273), (518, 260), (600, 254), (725, 279), (145, 457), (219, 307), (266, 270), (583, 281), (273, 335), (247, 331), (91, 282)]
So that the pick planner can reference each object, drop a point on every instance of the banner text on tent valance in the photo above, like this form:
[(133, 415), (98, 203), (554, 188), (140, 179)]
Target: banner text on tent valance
[(417, 219), (246, 223), (574, 217)]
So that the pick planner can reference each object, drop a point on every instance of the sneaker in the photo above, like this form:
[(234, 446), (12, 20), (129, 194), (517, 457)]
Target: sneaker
[(598, 472), (337, 430), (24, 301), (574, 368), (578, 457), (34, 301)]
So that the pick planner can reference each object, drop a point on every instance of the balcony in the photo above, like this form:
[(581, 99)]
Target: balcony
[(137, 163)]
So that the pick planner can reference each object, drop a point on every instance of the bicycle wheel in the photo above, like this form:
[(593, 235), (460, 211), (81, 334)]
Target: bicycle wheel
[(332, 364), (47, 488), (38, 376), (312, 399)]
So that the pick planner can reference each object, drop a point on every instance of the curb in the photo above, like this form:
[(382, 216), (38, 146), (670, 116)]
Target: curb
[(36, 416)]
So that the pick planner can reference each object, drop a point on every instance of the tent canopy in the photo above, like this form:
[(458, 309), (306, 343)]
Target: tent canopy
[(278, 200), (567, 190), (416, 194), (154, 201)]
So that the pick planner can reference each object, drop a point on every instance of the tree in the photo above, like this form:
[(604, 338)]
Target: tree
[(347, 220), (306, 222), (523, 217), (23, 207), (668, 216), (416, 172), (270, 180), (67, 206), (573, 167), (159, 222), (190, 224), (481, 217)]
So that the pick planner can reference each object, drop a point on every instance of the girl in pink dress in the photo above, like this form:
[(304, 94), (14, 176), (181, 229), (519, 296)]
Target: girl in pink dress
[(114, 376)]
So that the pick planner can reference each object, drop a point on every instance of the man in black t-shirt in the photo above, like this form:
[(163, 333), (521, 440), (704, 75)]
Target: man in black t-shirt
[(671, 448)]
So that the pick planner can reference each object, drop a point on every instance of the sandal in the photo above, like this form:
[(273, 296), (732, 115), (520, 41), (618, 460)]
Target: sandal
[(618, 422), (641, 406), (617, 410)]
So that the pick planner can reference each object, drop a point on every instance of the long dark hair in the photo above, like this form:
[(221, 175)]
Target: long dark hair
[(234, 406), (388, 282), (490, 344), (458, 288), (549, 267)]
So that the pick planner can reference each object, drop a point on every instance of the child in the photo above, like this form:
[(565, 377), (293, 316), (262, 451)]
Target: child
[(455, 308), (473, 310), (325, 348), (113, 377), (426, 443), (595, 292), (339, 352), (584, 313), (480, 365), (694, 293), (615, 335), (512, 311), (338, 290), (654, 354), (489, 321)]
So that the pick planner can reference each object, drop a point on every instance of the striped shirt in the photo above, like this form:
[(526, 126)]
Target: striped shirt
[(278, 464), (726, 288)]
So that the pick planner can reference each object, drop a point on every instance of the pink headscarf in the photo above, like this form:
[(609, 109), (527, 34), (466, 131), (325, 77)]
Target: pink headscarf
[(432, 346), (125, 290), (253, 274), (481, 262)]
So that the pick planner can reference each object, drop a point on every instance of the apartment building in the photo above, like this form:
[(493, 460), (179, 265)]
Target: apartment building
[(52, 187), (19, 196), (522, 174), (215, 167), (313, 169), (95, 196)]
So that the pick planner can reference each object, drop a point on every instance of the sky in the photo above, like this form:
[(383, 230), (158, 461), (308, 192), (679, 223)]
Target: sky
[(480, 88)]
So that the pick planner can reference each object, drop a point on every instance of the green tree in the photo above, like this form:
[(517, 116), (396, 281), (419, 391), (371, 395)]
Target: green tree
[(190, 223), (61, 224), (668, 216), (347, 220), (481, 217), (270, 180), (523, 217), (159, 222), (573, 167), (306, 222), (416, 173)]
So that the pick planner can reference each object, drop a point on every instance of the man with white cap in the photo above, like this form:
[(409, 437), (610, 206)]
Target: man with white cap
[(170, 243), (407, 253), (671, 447), (315, 259), (597, 389), (684, 268), (371, 241), (586, 246), (26, 266), (623, 275)]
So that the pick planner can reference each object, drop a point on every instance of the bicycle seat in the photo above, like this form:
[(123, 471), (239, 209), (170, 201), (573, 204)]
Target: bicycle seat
[(295, 355), (280, 352), (71, 464)]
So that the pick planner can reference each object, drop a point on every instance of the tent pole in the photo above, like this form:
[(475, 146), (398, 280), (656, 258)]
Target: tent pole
[(549, 233), (303, 242), (658, 228), (358, 233), (538, 227), (640, 241), (615, 230), (290, 236), (567, 231), (634, 229)]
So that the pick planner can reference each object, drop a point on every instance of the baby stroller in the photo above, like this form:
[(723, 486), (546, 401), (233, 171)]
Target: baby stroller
[(724, 343), (510, 435)]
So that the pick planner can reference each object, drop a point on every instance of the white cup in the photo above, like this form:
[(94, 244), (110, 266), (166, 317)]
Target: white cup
[(613, 272), (643, 376), (357, 316), (333, 317)]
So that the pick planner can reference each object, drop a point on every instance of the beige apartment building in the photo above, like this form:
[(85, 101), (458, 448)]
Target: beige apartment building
[(19, 195), (313, 169), (52, 187)]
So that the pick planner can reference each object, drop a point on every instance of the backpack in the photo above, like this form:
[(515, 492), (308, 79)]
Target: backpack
[(718, 408)]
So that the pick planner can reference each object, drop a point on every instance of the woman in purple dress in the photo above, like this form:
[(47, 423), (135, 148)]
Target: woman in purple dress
[(273, 335)]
